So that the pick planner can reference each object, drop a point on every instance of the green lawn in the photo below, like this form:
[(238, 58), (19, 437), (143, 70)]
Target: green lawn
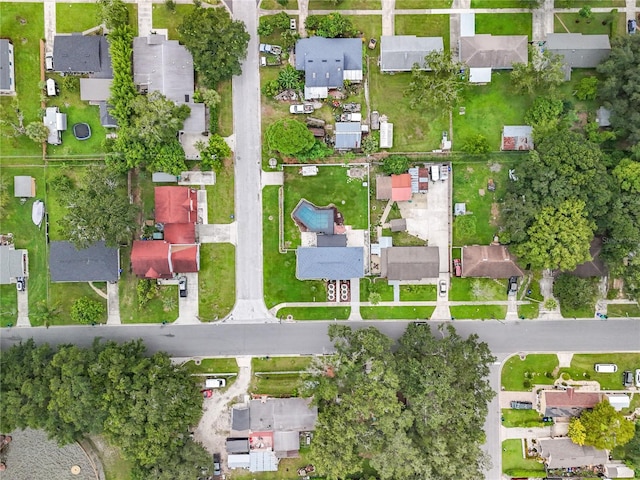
[(414, 130), (488, 108), (479, 312), (513, 461), (367, 286), (217, 280), (274, 5), (213, 365), (280, 283), (521, 418), (587, 311), (536, 365), (77, 17), (470, 187), (591, 3), (424, 26), (64, 295), (496, 4), (345, 5), (371, 27), (16, 219), (407, 4), (396, 313), (477, 289), (504, 24), (420, 293), (623, 311), (115, 466), (614, 24), (530, 311), (165, 18), (582, 368), (225, 109), (23, 23), (330, 186), (315, 313), (220, 197), (276, 385), (280, 364)]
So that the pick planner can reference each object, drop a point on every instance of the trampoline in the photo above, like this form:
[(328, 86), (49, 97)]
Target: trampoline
[(82, 131)]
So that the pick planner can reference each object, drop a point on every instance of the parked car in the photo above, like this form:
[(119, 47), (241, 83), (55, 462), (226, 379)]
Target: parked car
[(513, 286), (217, 471), (215, 383), (48, 62), (638, 377), (272, 49), (442, 288), (182, 286), (372, 43), (301, 108), (21, 284), (457, 267), (207, 393), (632, 26), (605, 367), (292, 24), (627, 378)]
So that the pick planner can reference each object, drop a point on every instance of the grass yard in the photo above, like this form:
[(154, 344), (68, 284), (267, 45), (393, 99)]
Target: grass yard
[(530, 311), (408, 4), (477, 289), (496, 4), (424, 26), (225, 109), (23, 24), (77, 17), (614, 310), (479, 312), (470, 187), (330, 186), (535, 365), (488, 108), (213, 365), (614, 23), (371, 27), (220, 197), (345, 5), (396, 313), (420, 293), (587, 311), (371, 285), (514, 461), (287, 469), (521, 418), (280, 364), (217, 280), (274, 5), (504, 24), (591, 3), (276, 385), (115, 466), (64, 295), (582, 368), (280, 283), (165, 18), (16, 219), (403, 239), (315, 313), (413, 130)]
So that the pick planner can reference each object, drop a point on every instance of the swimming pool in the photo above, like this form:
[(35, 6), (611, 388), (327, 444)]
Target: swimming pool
[(312, 218)]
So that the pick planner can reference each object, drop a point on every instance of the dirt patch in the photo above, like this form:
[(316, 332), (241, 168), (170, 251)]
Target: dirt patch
[(481, 192), (470, 169), (495, 211), (582, 119), (495, 167)]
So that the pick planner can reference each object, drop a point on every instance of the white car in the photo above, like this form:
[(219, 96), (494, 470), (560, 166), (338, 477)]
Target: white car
[(292, 24), (301, 108), (215, 383), (442, 288), (638, 377)]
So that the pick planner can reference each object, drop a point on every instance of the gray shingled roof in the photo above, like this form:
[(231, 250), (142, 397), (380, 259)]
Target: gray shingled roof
[(332, 263), (495, 51), (13, 264), (97, 263), (82, 54), (106, 119), (283, 414), (563, 453), (348, 135), (7, 70), (237, 445), (324, 60), (398, 53), (578, 50), (331, 240), (410, 263), (240, 419)]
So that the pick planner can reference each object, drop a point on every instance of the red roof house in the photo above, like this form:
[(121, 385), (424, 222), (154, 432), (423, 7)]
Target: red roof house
[(401, 187), (151, 259), (185, 258), (176, 205), (180, 233), (569, 402)]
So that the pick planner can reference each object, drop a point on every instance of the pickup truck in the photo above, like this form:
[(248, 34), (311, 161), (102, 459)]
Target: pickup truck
[(351, 117), (301, 108), (272, 49)]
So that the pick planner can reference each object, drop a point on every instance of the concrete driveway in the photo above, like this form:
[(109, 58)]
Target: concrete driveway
[(188, 306), (23, 307)]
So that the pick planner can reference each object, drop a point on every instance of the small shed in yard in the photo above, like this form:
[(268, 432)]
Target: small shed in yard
[(24, 186), (517, 137), (479, 75), (398, 225), (238, 461), (237, 445), (618, 400), (51, 87), (603, 117), (56, 122), (348, 136), (386, 134)]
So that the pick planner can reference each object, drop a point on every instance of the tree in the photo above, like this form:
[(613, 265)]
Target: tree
[(619, 89), (290, 78), (574, 292), (395, 164), (587, 88), (214, 153), (371, 143), (333, 25), (478, 144), (627, 173), (544, 115), (545, 72), (439, 89), (123, 90), (289, 137), (97, 209), (559, 238), (375, 298), (218, 44), (86, 311), (210, 97), (585, 12), (576, 432), (605, 428), (114, 13), (37, 131)]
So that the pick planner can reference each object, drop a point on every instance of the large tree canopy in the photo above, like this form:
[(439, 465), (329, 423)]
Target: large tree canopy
[(289, 137), (605, 428), (544, 73), (415, 414), (217, 43)]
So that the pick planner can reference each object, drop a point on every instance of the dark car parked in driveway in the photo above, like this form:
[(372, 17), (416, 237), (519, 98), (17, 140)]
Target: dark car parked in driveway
[(512, 289), (627, 378), (182, 286), (632, 26), (217, 471)]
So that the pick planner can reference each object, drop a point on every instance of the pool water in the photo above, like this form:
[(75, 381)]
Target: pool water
[(314, 219)]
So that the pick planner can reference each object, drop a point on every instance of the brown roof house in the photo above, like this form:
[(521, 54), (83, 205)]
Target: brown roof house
[(395, 187), (563, 453), (568, 403), (410, 264), (489, 261), (498, 52), (594, 267)]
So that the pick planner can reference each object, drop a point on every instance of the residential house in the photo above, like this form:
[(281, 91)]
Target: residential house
[(15, 263), (485, 52), (348, 136), (24, 186), (96, 263), (489, 261), (82, 54), (330, 263), (56, 122), (327, 63), (567, 403), (517, 137), (395, 187), (594, 267), (618, 401), (410, 264), (7, 68), (578, 50), (399, 53), (563, 453)]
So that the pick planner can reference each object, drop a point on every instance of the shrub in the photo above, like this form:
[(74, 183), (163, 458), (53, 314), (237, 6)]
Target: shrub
[(171, 5), (574, 292), (71, 83), (526, 383), (395, 164), (587, 88), (550, 304), (478, 144), (87, 311)]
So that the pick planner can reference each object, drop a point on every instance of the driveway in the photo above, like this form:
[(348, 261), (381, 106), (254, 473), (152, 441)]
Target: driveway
[(113, 304), (188, 306), (23, 307)]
